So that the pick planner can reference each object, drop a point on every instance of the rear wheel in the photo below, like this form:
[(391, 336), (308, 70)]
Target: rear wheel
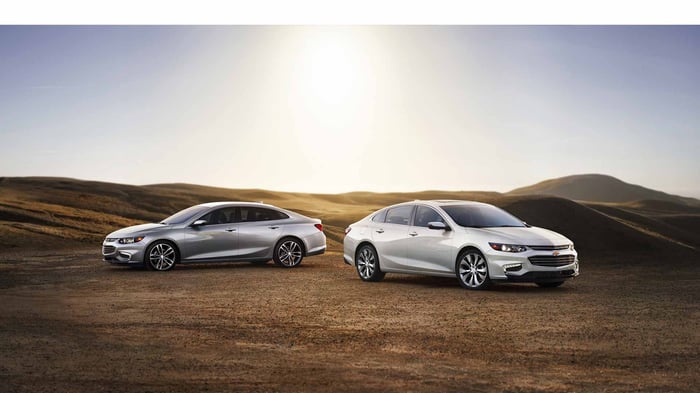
[(367, 264), (472, 270), (161, 256), (288, 253), (549, 284)]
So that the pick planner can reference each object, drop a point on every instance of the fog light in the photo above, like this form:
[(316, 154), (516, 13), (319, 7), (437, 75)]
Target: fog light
[(512, 267)]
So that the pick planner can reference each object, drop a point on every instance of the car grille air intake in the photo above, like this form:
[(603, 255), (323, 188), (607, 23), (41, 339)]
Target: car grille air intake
[(550, 260), (549, 248), (106, 250)]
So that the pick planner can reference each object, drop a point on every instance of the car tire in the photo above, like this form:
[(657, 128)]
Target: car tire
[(472, 270), (549, 284), (288, 252), (367, 264), (161, 256)]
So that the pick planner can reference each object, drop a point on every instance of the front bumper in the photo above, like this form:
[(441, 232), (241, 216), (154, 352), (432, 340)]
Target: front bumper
[(528, 267), (123, 254), (551, 276)]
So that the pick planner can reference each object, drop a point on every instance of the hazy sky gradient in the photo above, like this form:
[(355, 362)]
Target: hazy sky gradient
[(334, 109)]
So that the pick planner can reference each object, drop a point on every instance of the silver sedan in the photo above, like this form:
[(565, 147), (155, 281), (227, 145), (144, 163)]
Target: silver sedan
[(216, 232)]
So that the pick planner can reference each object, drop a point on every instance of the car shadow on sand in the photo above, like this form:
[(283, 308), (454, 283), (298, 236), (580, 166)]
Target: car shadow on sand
[(446, 282), (208, 266)]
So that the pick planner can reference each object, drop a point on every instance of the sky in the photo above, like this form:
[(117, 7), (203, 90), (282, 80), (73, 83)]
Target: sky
[(346, 108)]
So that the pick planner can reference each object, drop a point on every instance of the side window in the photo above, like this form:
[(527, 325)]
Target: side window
[(252, 213), (380, 217), (277, 215), (399, 215), (424, 215), (221, 216)]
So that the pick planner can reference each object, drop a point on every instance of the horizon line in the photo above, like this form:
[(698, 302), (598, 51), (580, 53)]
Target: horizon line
[(337, 193)]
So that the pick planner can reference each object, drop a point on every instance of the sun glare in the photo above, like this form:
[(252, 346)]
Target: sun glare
[(330, 87), (331, 68), (330, 71)]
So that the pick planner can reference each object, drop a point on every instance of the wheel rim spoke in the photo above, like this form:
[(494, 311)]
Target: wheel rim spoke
[(366, 263), (472, 270), (162, 257), (290, 253)]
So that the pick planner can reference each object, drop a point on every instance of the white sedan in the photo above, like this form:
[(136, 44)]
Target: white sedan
[(476, 242)]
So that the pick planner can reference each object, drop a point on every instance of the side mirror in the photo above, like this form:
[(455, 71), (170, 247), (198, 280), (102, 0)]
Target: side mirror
[(438, 225), (199, 223)]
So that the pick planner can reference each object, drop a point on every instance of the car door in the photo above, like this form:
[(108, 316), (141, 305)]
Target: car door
[(259, 228), (390, 237), (215, 239), (429, 250)]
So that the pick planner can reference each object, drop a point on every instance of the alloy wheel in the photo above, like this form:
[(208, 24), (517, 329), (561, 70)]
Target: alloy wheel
[(289, 253), (366, 263), (473, 272), (162, 257)]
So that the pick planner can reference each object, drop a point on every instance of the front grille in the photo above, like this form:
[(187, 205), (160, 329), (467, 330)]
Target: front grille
[(551, 260), (106, 250), (549, 248)]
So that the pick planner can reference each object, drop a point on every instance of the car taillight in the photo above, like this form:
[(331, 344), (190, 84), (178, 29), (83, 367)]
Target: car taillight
[(347, 230), (319, 227)]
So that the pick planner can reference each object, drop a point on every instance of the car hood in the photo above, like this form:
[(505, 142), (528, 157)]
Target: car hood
[(532, 236), (137, 230)]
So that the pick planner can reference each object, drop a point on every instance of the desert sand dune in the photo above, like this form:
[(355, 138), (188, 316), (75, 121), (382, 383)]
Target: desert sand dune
[(600, 188), (41, 212), (681, 227), (71, 323)]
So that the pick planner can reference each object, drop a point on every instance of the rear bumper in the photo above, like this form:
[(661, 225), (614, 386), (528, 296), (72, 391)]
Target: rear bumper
[(317, 251), (315, 244)]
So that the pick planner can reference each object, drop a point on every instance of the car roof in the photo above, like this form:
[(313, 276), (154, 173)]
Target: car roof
[(441, 202), (235, 203)]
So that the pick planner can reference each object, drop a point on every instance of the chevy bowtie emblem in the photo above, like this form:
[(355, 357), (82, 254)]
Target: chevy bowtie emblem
[(555, 253)]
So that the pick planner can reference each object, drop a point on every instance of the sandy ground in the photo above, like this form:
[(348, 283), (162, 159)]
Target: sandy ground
[(72, 323)]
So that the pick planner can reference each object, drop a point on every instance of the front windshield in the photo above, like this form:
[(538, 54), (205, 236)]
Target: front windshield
[(184, 215), (481, 216)]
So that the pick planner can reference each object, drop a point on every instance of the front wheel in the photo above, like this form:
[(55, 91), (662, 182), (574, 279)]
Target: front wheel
[(161, 256), (367, 264), (288, 253), (549, 284), (472, 270)]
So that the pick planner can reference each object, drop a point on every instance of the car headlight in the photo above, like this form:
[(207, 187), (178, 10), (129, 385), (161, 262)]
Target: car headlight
[(508, 247), (571, 247), (129, 240)]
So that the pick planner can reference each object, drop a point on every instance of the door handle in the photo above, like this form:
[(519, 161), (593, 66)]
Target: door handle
[(379, 231), (274, 226), (413, 233), (230, 229)]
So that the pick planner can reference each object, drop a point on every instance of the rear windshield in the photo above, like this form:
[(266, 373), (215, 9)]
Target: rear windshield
[(380, 217), (481, 216)]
